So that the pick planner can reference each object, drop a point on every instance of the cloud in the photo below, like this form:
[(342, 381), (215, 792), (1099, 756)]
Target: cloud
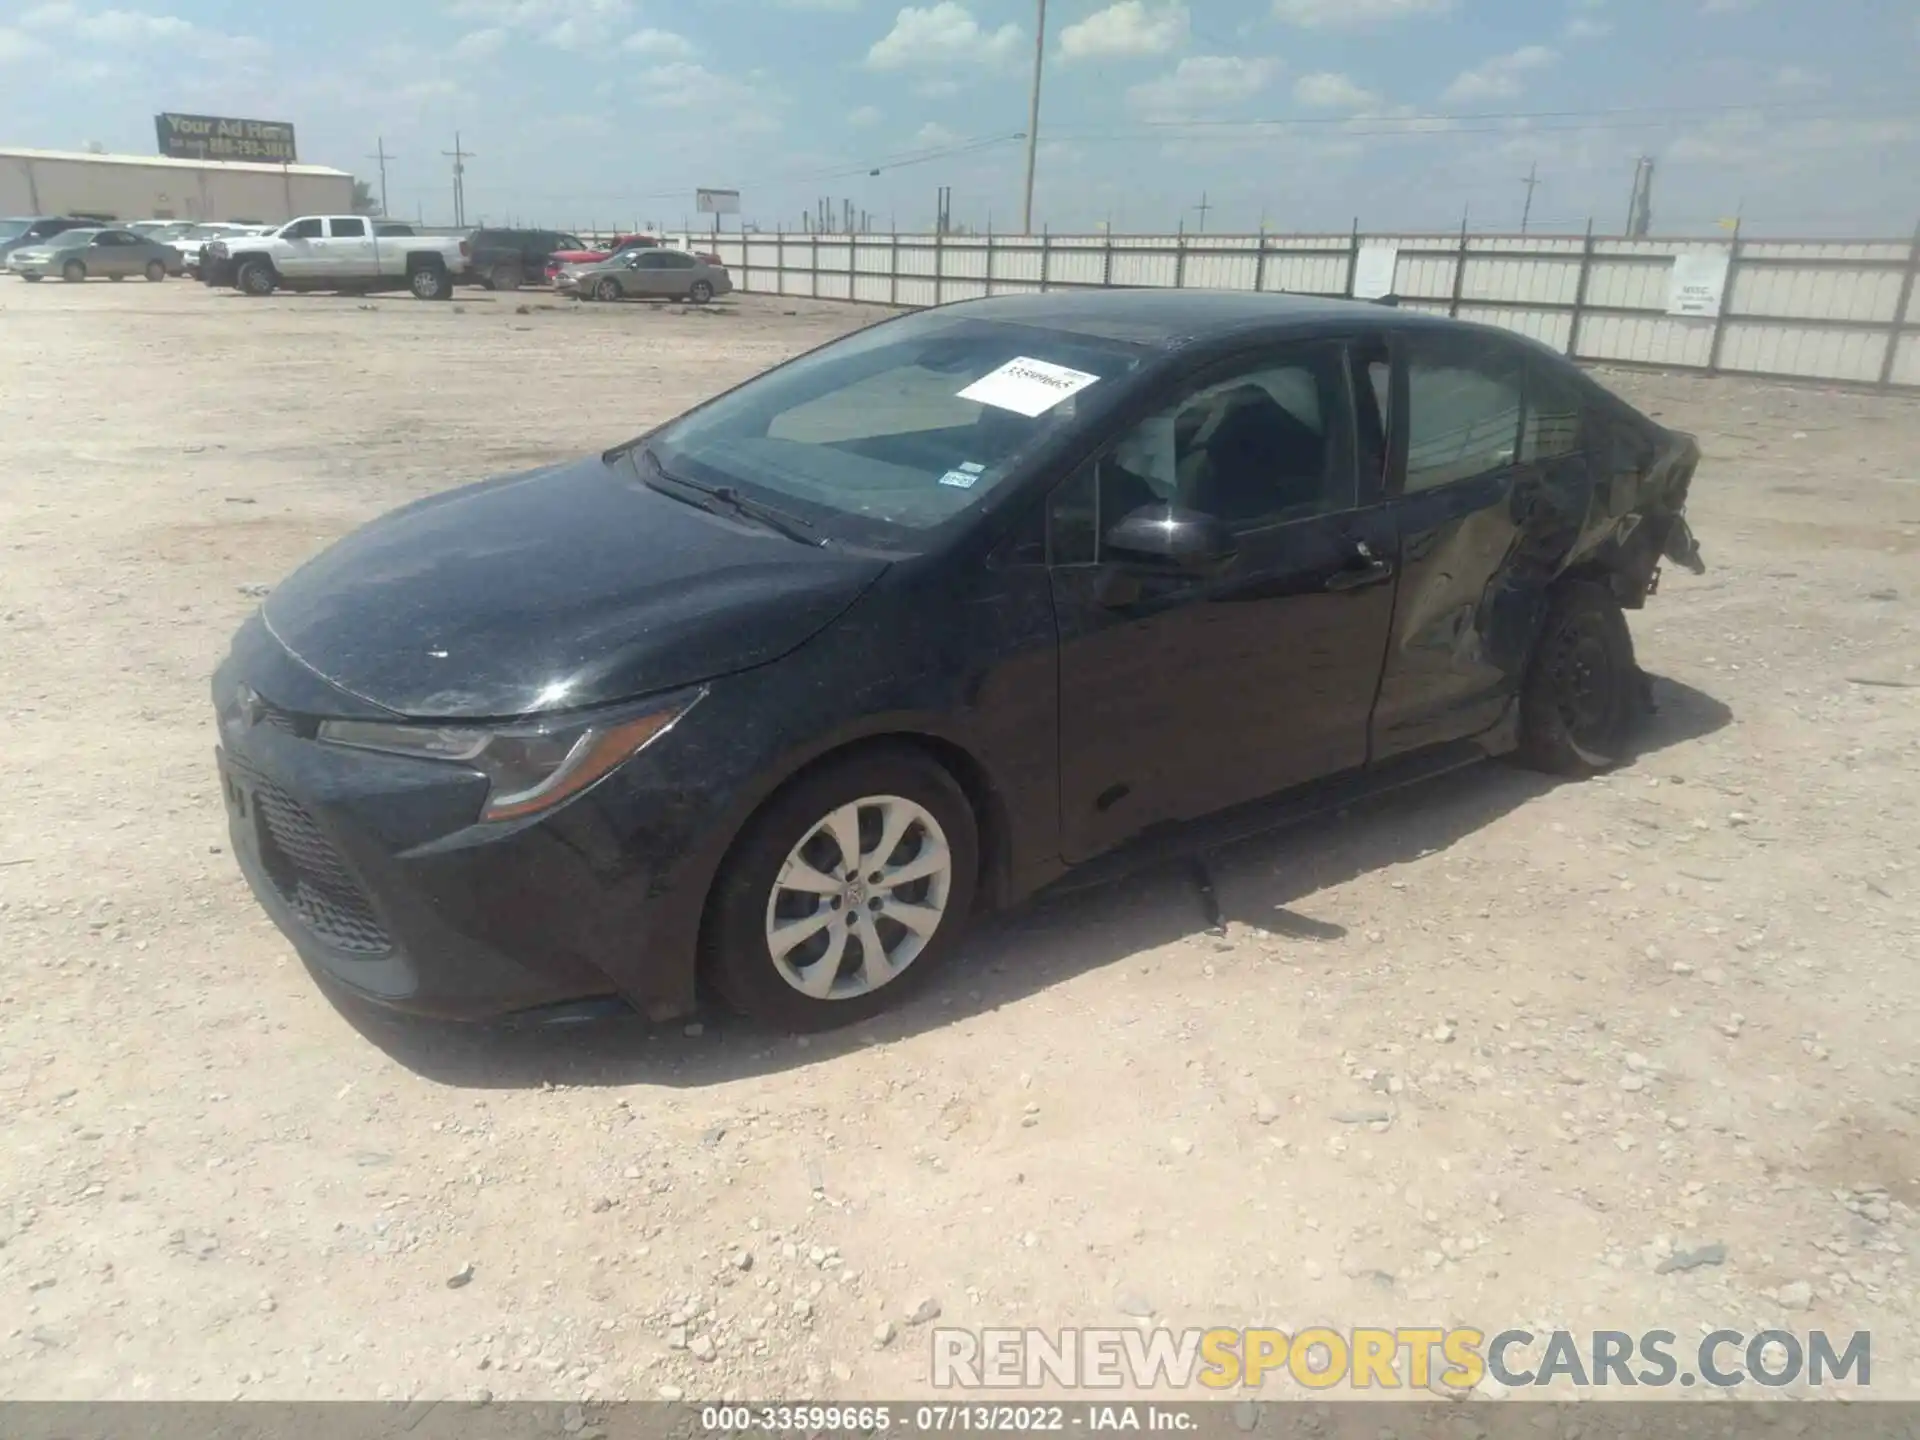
[(1724, 7), (17, 45), (1582, 27), (659, 44), (933, 134), (1126, 28), (942, 34), (866, 115), (1794, 77), (937, 89), (1500, 77), (745, 104), (480, 44), (1199, 84), (1328, 91), (563, 24), (138, 30), (841, 6), (1354, 14)]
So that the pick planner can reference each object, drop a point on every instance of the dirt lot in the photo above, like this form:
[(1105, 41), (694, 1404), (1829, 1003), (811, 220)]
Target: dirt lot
[(1487, 1054)]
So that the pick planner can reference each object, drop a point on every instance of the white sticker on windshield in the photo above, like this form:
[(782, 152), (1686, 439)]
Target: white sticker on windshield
[(961, 479), (1028, 387)]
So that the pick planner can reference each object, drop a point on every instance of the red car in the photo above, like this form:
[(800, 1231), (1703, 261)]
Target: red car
[(562, 258)]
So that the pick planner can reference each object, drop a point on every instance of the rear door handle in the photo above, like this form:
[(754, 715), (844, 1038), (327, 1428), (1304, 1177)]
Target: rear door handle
[(1357, 577)]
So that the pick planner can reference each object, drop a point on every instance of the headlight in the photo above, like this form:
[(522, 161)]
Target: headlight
[(533, 766)]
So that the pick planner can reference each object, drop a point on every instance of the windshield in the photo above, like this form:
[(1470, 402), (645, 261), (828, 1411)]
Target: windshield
[(13, 229), (899, 427)]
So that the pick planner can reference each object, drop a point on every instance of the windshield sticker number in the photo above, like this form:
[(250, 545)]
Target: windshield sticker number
[(1028, 387), (963, 477)]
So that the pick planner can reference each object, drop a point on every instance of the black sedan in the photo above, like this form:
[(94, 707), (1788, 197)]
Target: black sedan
[(775, 698)]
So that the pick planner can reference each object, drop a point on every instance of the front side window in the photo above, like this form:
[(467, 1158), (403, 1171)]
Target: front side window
[(1261, 447), (899, 428), (1463, 411), (302, 230), (1554, 428)]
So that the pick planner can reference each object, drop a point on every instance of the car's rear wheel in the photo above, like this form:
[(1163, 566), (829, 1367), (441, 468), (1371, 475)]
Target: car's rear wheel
[(73, 272), (156, 271), (845, 892), (608, 289), (505, 277), (700, 293), (256, 277), (430, 282), (1581, 694)]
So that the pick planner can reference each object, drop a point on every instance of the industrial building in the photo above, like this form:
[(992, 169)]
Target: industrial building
[(140, 187)]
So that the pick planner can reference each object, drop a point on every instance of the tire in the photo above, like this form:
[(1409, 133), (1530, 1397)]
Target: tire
[(793, 835), (1582, 691), (505, 277), (701, 292), (73, 272), (116, 279), (33, 279), (256, 278), (430, 282), (156, 271), (607, 289)]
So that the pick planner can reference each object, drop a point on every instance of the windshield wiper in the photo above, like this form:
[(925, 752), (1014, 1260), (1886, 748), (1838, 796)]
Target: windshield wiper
[(775, 519)]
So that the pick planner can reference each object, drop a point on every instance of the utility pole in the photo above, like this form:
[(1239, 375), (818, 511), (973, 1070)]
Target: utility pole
[(1203, 207), (1033, 114), (459, 157), (1640, 203), (1532, 180), (380, 154)]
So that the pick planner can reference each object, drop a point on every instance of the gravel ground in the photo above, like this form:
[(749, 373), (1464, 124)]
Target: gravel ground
[(1489, 1053)]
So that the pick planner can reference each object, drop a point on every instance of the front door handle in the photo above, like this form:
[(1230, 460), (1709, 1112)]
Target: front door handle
[(1357, 577)]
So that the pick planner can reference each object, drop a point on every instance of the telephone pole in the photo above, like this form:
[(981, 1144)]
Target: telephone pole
[(1203, 207), (1532, 180), (380, 154), (459, 158), (1033, 114)]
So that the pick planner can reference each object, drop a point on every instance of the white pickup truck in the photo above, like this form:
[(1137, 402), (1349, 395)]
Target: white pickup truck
[(339, 252)]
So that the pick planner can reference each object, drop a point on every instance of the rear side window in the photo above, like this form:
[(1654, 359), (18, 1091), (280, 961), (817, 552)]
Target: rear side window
[(348, 227), (1463, 411), (1554, 428)]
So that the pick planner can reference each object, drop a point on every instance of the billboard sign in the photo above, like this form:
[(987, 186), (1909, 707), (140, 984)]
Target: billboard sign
[(210, 137), (717, 202)]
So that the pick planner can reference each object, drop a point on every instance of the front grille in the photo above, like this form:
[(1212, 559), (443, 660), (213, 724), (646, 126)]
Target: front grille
[(311, 877)]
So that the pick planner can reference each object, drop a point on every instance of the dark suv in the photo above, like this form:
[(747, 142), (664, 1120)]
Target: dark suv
[(38, 229), (507, 259)]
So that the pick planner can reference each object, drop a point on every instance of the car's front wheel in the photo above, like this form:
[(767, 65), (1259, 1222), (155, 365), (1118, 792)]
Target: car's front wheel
[(1582, 690), (73, 272), (608, 289), (156, 271), (845, 892), (256, 277), (701, 292)]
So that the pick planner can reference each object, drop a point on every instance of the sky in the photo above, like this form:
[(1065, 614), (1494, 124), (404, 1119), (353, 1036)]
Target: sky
[(1801, 117)]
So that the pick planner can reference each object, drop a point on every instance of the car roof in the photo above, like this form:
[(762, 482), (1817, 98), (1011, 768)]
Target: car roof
[(1163, 316)]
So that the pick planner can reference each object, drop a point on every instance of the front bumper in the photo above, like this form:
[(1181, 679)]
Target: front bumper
[(374, 868), (38, 265)]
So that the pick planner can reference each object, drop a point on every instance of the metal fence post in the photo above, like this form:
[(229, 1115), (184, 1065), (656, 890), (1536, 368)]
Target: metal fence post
[(893, 271), (853, 266), (1353, 257), (1459, 272), (780, 259), (1106, 259), (1046, 255), (1180, 257), (1260, 263), (989, 255), (1897, 326), (1726, 299), (1580, 294), (939, 261)]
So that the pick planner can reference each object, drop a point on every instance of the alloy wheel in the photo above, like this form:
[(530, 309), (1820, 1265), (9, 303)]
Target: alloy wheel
[(859, 898)]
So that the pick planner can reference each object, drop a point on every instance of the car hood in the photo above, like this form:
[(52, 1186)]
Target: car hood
[(566, 587)]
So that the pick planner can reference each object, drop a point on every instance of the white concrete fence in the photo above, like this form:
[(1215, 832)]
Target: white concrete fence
[(1838, 311)]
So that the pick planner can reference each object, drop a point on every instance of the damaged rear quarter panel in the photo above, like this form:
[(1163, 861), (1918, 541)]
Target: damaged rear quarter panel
[(1480, 554)]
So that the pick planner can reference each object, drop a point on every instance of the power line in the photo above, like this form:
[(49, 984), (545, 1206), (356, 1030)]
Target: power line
[(1789, 110)]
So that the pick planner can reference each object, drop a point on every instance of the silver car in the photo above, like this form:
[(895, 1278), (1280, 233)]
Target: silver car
[(76, 255), (655, 274)]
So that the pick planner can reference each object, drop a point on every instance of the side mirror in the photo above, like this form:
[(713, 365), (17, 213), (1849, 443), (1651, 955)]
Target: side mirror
[(1164, 537)]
